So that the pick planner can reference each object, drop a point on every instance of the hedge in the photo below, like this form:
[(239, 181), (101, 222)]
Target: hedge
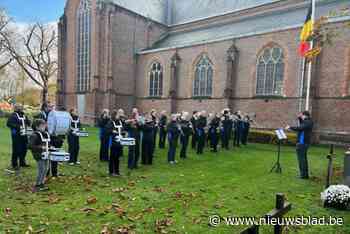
[(269, 137)]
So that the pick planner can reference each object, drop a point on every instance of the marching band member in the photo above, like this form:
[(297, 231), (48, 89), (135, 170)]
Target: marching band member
[(201, 124), (226, 128), (245, 129), (104, 138), (237, 129), (132, 126), (18, 124), (173, 130), (73, 139), (147, 140), (39, 143), (44, 111), (214, 125), (162, 129), (155, 129), (57, 142), (113, 128), (194, 128), (186, 131)]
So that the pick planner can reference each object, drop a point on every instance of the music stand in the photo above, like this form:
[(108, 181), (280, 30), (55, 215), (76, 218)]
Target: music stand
[(280, 137)]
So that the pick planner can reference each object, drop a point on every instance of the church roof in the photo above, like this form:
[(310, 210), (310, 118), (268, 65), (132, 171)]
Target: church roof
[(172, 12), (189, 10), (154, 9), (268, 22)]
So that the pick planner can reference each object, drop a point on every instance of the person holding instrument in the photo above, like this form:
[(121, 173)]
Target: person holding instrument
[(18, 123), (104, 138), (304, 131)]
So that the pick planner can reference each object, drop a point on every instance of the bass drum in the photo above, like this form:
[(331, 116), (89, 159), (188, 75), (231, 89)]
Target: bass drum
[(58, 123)]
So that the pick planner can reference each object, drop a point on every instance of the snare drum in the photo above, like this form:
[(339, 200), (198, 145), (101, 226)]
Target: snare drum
[(59, 156), (82, 134), (127, 141)]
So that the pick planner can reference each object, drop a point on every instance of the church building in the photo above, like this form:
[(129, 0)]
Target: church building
[(177, 55)]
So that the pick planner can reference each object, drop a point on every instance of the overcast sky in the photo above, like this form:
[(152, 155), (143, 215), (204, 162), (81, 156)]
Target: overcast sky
[(34, 10)]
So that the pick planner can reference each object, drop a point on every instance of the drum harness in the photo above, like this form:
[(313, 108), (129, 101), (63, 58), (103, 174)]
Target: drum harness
[(46, 141), (75, 128), (23, 126), (119, 129)]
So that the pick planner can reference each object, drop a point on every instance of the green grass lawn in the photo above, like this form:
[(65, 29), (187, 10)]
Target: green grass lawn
[(163, 198)]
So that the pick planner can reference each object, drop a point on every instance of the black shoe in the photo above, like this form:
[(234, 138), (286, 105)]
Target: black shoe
[(15, 168), (25, 165)]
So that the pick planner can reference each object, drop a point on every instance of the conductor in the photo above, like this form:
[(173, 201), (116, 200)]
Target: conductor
[(304, 131)]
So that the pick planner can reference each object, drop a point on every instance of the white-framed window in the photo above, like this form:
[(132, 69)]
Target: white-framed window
[(84, 46), (270, 72), (203, 78), (156, 80)]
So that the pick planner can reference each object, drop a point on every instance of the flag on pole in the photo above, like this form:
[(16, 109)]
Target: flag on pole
[(306, 33)]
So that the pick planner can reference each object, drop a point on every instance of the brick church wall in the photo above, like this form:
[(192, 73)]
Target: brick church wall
[(330, 106)]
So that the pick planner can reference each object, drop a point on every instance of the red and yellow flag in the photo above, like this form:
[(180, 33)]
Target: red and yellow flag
[(306, 33)]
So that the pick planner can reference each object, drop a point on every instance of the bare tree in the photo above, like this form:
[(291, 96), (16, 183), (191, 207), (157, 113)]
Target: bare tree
[(4, 21), (35, 53)]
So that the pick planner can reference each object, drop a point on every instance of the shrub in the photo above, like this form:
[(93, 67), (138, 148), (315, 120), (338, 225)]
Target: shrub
[(269, 137)]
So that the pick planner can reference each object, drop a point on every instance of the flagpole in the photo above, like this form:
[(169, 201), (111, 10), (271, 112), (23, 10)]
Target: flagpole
[(309, 72)]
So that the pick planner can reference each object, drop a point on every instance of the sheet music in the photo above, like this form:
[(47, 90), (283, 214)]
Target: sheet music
[(281, 135)]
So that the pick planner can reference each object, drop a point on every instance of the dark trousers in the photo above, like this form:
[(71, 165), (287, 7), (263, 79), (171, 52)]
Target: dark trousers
[(237, 137), (302, 160), (73, 147), (134, 154), (155, 131), (53, 170), (162, 137), (225, 138), (104, 147), (184, 144), (194, 140), (116, 151), (147, 151), (19, 150), (214, 140), (201, 141), (171, 151), (245, 133)]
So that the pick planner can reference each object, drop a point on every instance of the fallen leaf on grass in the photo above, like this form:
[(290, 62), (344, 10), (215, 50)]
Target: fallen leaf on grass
[(119, 190), (91, 200), (89, 180), (41, 230), (105, 230), (162, 224), (120, 212), (196, 220), (158, 189), (126, 229), (8, 212), (88, 210), (178, 195), (136, 217), (52, 199), (149, 210)]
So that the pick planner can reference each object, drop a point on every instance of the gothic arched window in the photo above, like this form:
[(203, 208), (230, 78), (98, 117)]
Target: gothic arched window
[(83, 46), (156, 80), (203, 79), (270, 72)]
